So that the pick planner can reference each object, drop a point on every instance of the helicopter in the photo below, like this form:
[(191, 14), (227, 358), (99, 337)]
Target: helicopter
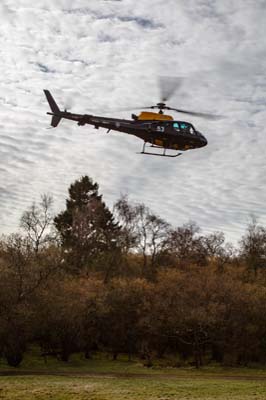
[(157, 129)]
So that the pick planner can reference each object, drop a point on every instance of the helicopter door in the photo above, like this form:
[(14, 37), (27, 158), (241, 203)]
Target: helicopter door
[(187, 128), (184, 127), (160, 128), (176, 126)]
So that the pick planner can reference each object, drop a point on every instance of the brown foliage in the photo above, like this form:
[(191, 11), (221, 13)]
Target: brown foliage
[(133, 284)]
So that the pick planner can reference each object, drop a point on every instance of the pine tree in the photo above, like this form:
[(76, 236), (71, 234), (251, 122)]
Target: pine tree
[(87, 227)]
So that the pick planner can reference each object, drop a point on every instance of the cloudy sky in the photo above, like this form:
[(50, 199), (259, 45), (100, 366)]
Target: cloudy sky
[(95, 56)]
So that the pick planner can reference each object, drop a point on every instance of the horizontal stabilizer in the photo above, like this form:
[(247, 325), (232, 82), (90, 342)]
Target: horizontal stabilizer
[(55, 121)]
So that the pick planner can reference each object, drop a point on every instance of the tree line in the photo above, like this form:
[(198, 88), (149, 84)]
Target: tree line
[(126, 281)]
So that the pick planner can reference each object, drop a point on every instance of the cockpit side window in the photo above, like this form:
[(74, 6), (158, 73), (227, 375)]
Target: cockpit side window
[(176, 126), (184, 127), (187, 128)]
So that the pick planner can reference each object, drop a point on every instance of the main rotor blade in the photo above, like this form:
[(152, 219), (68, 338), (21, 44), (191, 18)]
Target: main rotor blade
[(196, 114), (168, 86), (133, 108)]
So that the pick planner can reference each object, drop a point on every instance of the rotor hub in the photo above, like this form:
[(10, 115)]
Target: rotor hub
[(161, 106)]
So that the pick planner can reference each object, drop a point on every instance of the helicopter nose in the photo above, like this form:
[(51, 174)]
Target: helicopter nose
[(204, 141)]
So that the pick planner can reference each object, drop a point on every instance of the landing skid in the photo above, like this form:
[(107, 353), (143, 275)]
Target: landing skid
[(158, 154)]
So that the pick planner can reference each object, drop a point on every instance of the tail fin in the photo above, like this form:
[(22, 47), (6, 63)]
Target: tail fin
[(56, 118)]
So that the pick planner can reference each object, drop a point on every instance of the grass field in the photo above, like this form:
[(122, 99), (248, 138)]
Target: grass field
[(103, 379)]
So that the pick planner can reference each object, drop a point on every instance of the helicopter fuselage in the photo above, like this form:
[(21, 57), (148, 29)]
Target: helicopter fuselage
[(168, 134), (158, 129)]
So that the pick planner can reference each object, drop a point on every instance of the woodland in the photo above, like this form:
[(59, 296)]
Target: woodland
[(125, 281)]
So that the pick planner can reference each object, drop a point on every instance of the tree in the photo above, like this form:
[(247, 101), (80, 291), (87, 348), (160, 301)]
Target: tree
[(126, 214), (216, 250), (87, 227), (253, 246), (22, 275), (184, 246), (59, 313), (121, 307), (143, 231), (36, 222)]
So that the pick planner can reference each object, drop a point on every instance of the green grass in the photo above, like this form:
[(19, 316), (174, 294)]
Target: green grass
[(104, 379), (103, 363), (100, 363), (79, 388)]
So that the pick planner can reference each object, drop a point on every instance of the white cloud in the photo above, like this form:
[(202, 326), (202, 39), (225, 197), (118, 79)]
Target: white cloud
[(95, 56)]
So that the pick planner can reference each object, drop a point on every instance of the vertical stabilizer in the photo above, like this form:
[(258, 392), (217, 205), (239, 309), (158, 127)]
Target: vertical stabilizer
[(56, 113)]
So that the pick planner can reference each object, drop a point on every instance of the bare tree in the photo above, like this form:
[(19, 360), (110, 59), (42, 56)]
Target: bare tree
[(126, 214), (253, 246), (143, 230), (184, 244), (36, 222)]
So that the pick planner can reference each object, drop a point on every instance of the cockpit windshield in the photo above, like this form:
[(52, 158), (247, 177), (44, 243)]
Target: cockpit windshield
[(184, 127)]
